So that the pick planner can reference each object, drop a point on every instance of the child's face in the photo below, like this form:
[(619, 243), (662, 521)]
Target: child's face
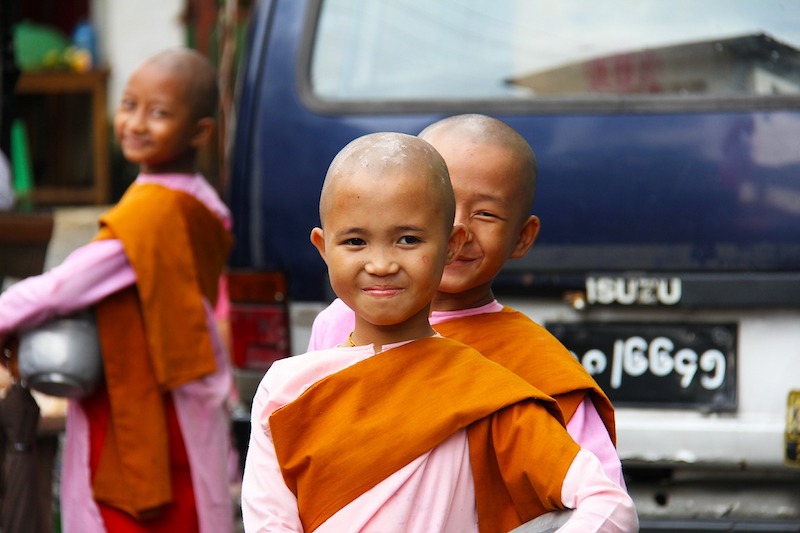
[(486, 180), (386, 243), (154, 122)]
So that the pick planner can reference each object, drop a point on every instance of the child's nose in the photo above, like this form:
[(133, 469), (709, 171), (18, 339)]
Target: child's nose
[(136, 120), (463, 219), (381, 264)]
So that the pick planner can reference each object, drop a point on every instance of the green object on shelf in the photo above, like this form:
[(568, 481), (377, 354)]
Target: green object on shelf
[(21, 163), (38, 46)]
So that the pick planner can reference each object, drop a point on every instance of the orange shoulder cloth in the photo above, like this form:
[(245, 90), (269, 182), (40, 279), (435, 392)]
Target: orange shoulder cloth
[(154, 336), (518, 343), (354, 428)]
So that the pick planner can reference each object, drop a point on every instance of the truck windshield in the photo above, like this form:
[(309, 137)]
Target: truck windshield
[(518, 49)]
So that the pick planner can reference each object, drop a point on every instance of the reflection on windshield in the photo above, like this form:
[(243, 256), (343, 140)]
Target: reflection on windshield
[(754, 64), (378, 49)]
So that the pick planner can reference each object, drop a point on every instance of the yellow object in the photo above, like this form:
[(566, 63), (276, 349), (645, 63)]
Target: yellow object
[(78, 59)]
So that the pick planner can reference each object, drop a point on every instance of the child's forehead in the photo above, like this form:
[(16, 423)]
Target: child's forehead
[(158, 85), (387, 201), (151, 76), (375, 198)]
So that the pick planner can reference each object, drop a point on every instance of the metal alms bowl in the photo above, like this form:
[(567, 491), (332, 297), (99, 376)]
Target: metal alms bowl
[(62, 357)]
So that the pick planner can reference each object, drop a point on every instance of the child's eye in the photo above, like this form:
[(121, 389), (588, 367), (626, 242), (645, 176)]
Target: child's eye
[(355, 241), (409, 239), (159, 113), (126, 104)]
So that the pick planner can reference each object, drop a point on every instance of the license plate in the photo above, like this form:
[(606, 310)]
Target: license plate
[(690, 366)]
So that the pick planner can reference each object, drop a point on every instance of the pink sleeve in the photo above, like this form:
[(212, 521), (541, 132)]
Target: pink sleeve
[(599, 504), (331, 326), (222, 309), (86, 276), (267, 503), (587, 429)]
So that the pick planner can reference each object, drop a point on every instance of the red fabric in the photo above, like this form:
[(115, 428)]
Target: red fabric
[(178, 516)]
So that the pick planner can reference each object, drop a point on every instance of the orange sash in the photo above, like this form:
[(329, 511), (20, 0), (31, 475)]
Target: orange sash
[(354, 428), (154, 336), (518, 343)]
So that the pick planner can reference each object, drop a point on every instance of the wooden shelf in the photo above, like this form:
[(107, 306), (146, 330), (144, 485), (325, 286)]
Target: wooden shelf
[(56, 182), (24, 238)]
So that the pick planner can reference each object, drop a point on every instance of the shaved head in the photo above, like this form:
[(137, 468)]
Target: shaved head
[(484, 130), (386, 156), (202, 92)]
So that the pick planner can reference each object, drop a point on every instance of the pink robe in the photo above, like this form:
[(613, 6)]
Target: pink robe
[(86, 276), (435, 492), (334, 324)]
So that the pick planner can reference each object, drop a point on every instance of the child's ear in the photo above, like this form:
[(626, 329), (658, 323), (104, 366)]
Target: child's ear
[(204, 129), (527, 236), (318, 240), (457, 239)]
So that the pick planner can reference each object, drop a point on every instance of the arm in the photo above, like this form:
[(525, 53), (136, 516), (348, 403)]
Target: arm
[(599, 504), (533, 451), (267, 503), (588, 430), (86, 276)]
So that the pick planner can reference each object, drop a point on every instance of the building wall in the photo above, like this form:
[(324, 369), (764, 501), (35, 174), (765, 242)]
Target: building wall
[(129, 31)]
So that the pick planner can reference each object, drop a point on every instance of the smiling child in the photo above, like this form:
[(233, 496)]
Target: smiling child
[(148, 451), (398, 428)]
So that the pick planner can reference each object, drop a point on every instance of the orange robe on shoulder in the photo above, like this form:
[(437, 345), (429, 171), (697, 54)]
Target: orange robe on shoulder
[(154, 338), (340, 437), (518, 343)]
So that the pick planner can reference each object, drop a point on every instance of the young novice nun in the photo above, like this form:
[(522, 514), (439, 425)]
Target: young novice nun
[(493, 171), (398, 428), (147, 452)]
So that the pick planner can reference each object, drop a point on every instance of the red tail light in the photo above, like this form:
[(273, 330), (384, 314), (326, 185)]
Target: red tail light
[(259, 319)]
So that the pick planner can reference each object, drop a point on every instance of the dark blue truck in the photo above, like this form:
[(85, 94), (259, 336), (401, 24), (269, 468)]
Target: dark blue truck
[(668, 139)]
